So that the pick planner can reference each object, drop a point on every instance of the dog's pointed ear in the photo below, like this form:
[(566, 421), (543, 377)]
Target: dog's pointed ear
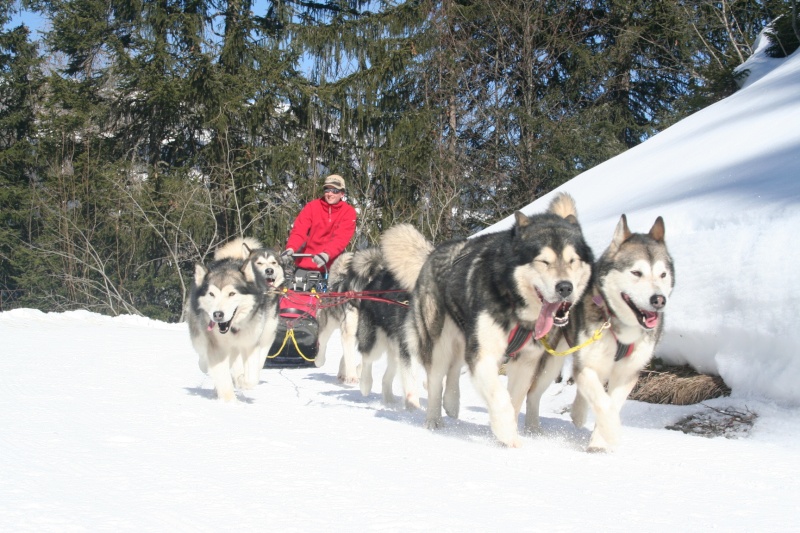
[(572, 219), (657, 231), (246, 250), (521, 219), (247, 269), (621, 233), (199, 274)]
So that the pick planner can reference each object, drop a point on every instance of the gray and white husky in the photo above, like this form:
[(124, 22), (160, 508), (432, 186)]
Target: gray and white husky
[(632, 281), (478, 300), (232, 313)]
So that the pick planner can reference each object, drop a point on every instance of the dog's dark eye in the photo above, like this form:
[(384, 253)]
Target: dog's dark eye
[(211, 294), (232, 294), (663, 275), (637, 273), (542, 261)]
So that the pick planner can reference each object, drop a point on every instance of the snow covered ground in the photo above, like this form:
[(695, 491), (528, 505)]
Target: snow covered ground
[(108, 425)]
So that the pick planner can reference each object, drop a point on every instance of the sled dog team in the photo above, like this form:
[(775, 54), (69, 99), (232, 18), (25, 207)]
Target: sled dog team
[(524, 298)]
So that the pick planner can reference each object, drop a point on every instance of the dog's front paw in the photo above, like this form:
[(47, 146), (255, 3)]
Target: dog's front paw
[(452, 409), (598, 443), (389, 398), (348, 380), (434, 423), (507, 435), (226, 396), (412, 402)]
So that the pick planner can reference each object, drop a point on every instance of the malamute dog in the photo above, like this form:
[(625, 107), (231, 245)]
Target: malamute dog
[(632, 281), (361, 320), (381, 323), (233, 314), (476, 297)]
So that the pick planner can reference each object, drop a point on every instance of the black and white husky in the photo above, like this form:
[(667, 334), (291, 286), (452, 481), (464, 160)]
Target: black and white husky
[(380, 326), (232, 313), (477, 301), (371, 324), (625, 306)]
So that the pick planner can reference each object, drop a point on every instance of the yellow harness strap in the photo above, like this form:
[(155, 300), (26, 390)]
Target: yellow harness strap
[(595, 337), (290, 334)]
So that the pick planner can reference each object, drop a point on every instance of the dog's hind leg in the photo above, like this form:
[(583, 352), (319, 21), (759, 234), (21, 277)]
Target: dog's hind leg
[(367, 359), (388, 376), (348, 372), (454, 340), (407, 377), (328, 322), (370, 349), (452, 390), (440, 364)]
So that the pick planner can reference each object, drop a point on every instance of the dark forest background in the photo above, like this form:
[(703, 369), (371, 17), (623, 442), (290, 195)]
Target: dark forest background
[(136, 136)]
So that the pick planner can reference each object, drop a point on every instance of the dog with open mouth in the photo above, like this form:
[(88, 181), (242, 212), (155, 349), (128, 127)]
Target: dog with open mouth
[(232, 311), (624, 308), (481, 300)]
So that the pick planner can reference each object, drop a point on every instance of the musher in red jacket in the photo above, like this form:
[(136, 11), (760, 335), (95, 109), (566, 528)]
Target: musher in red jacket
[(323, 228)]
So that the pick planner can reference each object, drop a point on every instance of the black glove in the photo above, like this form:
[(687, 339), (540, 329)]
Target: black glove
[(320, 259), (287, 253)]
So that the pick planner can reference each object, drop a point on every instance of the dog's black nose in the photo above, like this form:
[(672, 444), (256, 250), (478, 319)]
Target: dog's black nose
[(218, 316), (658, 301), (269, 271), (564, 288)]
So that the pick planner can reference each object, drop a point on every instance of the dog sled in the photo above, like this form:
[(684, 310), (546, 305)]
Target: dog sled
[(296, 343)]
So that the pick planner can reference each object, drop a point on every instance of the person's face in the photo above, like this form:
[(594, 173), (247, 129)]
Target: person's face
[(333, 196)]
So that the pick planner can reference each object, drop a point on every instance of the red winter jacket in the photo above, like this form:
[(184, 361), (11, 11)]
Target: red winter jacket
[(322, 227)]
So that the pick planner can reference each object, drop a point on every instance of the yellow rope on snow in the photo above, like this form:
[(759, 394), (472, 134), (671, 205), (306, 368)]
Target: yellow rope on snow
[(290, 334), (595, 337)]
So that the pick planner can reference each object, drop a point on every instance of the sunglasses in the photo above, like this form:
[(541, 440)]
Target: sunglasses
[(334, 191)]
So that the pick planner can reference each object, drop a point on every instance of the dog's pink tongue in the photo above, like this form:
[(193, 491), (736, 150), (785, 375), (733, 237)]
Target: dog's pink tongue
[(211, 325), (650, 319), (544, 323)]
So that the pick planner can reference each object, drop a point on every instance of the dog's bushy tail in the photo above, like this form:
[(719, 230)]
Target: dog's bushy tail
[(233, 249), (563, 205), (339, 269), (405, 250), (364, 266)]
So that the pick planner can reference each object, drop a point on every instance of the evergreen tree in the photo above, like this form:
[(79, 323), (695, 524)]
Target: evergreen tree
[(169, 126), (20, 82)]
